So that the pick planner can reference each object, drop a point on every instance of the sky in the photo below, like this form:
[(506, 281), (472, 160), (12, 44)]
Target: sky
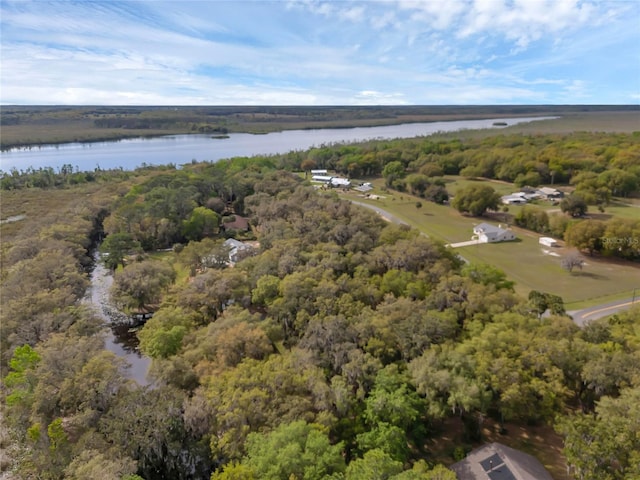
[(312, 52)]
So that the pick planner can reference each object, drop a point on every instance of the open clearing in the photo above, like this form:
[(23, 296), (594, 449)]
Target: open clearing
[(524, 260)]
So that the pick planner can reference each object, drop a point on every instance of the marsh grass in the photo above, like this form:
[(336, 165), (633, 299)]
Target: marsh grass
[(33, 125)]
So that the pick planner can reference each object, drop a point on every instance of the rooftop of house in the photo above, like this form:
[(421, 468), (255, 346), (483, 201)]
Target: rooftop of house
[(233, 243), (239, 223), (495, 461), (488, 228)]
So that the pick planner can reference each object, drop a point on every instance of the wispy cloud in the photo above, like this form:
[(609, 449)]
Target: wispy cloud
[(320, 52)]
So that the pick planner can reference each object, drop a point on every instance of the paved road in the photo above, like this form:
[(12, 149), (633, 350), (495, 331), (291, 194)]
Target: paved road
[(593, 313)]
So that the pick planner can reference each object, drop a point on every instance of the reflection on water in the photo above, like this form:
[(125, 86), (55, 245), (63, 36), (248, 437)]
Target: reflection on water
[(120, 338)]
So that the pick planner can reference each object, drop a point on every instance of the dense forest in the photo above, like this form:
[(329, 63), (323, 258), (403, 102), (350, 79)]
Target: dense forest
[(337, 346)]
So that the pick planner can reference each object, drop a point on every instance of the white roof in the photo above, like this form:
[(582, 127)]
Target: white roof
[(321, 178), (233, 243), (340, 181)]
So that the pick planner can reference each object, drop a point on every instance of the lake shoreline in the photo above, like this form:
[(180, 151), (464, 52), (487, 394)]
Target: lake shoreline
[(119, 136)]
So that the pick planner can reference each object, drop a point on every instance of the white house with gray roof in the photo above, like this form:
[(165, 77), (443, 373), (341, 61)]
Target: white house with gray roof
[(487, 233)]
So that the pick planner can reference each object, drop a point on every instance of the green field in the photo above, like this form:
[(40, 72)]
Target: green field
[(524, 260)]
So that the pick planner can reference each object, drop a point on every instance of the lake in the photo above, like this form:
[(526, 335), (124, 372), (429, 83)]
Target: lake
[(181, 149)]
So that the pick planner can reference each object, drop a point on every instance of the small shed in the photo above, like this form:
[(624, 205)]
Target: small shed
[(548, 242)]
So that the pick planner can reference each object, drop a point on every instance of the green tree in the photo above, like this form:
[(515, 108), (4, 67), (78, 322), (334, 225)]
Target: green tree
[(622, 238), (393, 171), (116, 247), (202, 223), (476, 199), (297, 449), (417, 183), (142, 284), (392, 400), (374, 465), (605, 445), (586, 235), (21, 381), (486, 274), (541, 302), (91, 463), (234, 471), (161, 336), (573, 205), (391, 439), (263, 394), (421, 471)]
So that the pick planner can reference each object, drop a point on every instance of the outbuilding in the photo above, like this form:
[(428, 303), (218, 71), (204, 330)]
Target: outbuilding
[(548, 242)]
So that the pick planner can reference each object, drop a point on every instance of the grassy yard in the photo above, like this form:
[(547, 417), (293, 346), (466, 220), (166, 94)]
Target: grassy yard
[(525, 261)]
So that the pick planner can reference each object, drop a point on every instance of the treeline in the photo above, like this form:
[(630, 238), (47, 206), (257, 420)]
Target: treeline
[(65, 176), (616, 237), (600, 165)]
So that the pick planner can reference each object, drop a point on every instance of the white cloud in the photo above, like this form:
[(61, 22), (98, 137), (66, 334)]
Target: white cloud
[(315, 52)]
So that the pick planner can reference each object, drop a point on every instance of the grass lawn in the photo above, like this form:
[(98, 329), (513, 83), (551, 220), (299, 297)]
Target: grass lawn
[(524, 261)]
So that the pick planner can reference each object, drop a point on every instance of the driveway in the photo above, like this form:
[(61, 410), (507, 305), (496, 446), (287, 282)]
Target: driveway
[(464, 244), (383, 213)]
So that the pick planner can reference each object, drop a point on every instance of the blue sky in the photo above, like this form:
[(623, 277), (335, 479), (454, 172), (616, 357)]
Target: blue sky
[(414, 52)]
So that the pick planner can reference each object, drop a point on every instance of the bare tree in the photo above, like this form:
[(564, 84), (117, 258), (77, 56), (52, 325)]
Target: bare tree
[(571, 261)]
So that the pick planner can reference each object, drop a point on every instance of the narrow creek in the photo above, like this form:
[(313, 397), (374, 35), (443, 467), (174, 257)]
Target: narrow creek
[(121, 338)]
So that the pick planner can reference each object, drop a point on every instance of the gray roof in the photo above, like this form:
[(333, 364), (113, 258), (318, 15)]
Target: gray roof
[(233, 243), (488, 228), (495, 461)]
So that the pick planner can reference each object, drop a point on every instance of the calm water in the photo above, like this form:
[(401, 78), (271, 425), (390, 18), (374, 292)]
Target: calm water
[(119, 339), (181, 149)]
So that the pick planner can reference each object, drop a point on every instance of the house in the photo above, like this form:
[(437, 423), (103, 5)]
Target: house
[(364, 188), (237, 250), (319, 172), (321, 178), (550, 193), (486, 233), (514, 199), (548, 242), (340, 182), (495, 461), (331, 181)]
